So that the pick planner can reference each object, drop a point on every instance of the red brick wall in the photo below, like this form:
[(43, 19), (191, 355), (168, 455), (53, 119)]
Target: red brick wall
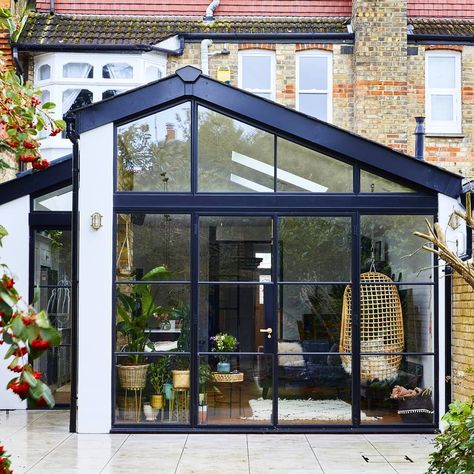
[(5, 47), (198, 7)]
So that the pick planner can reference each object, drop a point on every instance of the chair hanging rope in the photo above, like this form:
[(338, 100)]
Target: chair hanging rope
[(381, 327)]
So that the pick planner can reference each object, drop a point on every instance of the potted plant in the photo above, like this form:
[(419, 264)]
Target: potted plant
[(414, 406), (223, 342), (181, 372), (134, 311), (205, 375), (157, 375)]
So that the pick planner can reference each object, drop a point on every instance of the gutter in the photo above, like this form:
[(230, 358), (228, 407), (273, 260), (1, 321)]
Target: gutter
[(18, 66), (31, 47), (440, 39)]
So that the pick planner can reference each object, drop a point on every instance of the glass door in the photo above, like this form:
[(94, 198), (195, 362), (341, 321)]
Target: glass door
[(235, 320), (269, 319)]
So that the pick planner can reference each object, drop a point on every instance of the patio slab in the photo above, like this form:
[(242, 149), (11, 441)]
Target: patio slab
[(39, 442)]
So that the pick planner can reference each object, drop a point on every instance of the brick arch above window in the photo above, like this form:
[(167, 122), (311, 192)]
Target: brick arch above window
[(309, 47), (441, 47), (266, 46)]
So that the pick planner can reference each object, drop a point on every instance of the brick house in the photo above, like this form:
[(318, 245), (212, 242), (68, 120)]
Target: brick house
[(366, 67)]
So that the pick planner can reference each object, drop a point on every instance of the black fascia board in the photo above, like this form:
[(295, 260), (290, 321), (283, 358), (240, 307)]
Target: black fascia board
[(271, 116), (440, 39), (29, 183)]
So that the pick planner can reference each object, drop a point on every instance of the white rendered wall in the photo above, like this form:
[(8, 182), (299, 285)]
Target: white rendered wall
[(95, 282), (456, 239), (15, 253)]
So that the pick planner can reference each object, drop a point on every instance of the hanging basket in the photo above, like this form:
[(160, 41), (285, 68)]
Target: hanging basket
[(381, 327), (132, 377)]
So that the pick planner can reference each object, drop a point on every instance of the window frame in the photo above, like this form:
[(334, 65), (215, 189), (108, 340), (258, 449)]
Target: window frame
[(258, 53), (448, 126), (329, 58)]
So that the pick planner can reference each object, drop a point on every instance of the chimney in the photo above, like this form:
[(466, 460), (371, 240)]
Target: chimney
[(420, 138), (170, 131)]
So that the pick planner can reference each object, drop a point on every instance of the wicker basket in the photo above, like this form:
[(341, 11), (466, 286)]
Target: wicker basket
[(181, 378), (220, 377), (381, 327), (132, 377)]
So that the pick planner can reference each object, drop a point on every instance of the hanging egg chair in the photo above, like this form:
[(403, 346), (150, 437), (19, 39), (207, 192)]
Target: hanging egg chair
[(381, 327)]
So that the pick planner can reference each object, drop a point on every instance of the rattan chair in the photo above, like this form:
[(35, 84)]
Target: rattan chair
[(381, 327)]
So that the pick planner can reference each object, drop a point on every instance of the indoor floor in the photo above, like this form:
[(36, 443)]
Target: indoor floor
[(39, 442)]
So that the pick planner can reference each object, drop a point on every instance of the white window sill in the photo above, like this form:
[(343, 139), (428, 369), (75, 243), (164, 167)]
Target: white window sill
[(444, 135)]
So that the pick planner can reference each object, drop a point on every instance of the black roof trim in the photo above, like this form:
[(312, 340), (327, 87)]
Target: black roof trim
[(35, 182), (279, 119)]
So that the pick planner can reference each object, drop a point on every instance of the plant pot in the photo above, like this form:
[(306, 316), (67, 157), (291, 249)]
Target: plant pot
[(223, 367), (133, 376), (202, 414), (181, 378), (167, 390), (157, 401), (416, 409), (149, 412), (172, 324)]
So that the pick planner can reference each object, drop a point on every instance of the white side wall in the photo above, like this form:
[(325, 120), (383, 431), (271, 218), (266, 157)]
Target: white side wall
[(95, 281), (15, 252), (456, 239)]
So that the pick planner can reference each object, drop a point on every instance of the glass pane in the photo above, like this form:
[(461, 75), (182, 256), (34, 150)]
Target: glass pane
[(442, 107), (229, 246), (44, 72), (265, 95), (153, 318), (371, 183), (154, 392), (313, 73), (313, 389), (152, 73), (154, 153), (111, 93), (381, 402), (301, 169), (78, 71), (235, 397), (256, 72), (75, 98), (441, 73), (315, 105), (59, 200), (309, 247), (53, 263), (117, 71), (146, 241), (233, 156), (310, 318), (389, 243), (235, 310)]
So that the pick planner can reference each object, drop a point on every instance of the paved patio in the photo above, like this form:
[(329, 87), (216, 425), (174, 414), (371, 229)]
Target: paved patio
[(40, 443)]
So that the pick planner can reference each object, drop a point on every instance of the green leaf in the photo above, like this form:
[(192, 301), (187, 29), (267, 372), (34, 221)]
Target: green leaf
[(48, 106), (30, 379), (3, 233), (60, 124), (42, 319), (17, 327)]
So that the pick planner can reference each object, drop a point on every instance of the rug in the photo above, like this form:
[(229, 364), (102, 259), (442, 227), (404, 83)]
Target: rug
[(311, 410)]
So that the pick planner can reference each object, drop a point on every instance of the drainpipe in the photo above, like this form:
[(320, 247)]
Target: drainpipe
[(51, 7), (205, 56), (420, 138), (209, 15), (18, 66), (74, 138)]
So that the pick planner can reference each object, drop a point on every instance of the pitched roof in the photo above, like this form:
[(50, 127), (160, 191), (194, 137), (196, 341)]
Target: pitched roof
[(189, 82), (443, 26), (198, 7), (441, 8), (51, 30)]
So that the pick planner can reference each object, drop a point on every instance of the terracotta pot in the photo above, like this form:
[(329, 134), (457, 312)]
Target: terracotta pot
[(157, 401), (181, 378)]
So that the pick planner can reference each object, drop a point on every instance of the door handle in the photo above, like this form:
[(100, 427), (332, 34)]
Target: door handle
[(268, 331)]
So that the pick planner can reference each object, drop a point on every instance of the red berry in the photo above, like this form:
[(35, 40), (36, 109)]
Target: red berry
[(39, 344), (29, 145), (54, 132)]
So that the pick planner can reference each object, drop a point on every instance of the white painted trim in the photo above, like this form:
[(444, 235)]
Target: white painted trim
[(95, 287), (14, 253), (455, 125), (282, 175), (262, 53), (329, 58)]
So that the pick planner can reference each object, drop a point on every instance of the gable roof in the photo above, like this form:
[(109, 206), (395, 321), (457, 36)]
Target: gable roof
[(189, 83)]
